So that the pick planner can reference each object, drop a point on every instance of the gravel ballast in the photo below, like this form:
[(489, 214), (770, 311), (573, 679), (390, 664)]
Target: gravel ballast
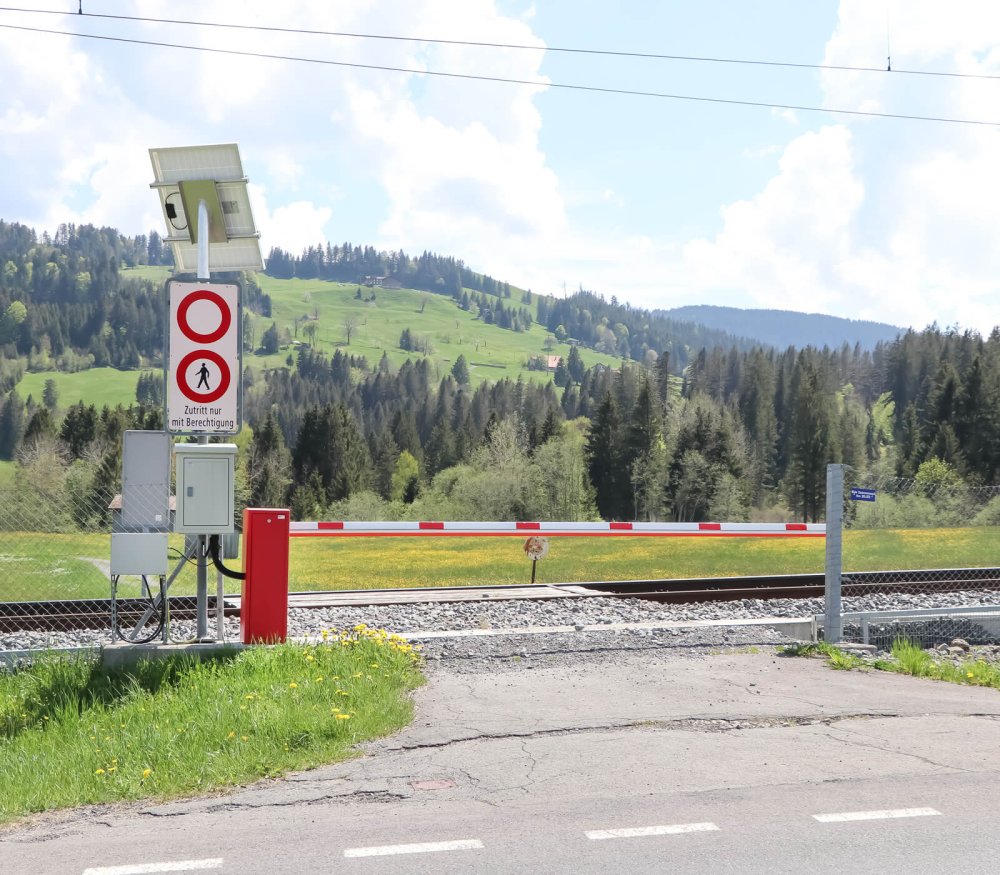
[(583, 624)]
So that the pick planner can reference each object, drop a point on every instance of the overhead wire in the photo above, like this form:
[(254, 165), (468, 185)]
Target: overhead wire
[(595, 89), (615, 53)]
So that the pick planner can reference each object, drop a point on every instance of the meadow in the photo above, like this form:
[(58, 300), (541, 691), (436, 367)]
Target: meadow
[(34, 566), (491, 352)]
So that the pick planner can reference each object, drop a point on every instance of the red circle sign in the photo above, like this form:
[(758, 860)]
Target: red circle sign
[(212, 394), (225, 317)]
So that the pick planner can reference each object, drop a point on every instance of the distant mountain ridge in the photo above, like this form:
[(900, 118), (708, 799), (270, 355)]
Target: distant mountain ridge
[(783, 328)]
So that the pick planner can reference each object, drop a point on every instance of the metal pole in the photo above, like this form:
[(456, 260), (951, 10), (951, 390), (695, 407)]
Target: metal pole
[(203, 274), (832, 626), (203, 238), (220, 592)]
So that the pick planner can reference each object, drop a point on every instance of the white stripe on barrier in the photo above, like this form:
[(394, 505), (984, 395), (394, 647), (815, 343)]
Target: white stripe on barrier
[(471, 527)]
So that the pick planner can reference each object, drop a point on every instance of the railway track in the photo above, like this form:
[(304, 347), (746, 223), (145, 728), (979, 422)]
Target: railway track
[(95, 613)]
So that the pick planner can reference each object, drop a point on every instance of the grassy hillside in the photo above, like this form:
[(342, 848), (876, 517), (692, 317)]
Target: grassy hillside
[(492, 352)]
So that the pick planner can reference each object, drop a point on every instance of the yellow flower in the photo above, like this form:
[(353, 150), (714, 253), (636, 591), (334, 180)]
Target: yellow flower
[(374, 665), (146, 773), (293, 686), (343, 716), (310, 658), (319, 679), (969, 674), (325, 634), (232, 734), (245, 737), (99, 772)]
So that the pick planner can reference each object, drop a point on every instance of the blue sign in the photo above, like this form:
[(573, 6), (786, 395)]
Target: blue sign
[(862, 494)]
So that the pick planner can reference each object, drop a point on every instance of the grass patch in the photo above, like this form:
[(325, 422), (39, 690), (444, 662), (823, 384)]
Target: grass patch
[(492, 352), (97, 386), (72, 734), (906, 658)]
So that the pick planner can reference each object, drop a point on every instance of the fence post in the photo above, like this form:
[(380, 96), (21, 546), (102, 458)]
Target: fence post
[(832, 627)]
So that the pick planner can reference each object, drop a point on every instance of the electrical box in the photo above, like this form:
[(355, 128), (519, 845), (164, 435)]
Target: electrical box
[(206, 474)]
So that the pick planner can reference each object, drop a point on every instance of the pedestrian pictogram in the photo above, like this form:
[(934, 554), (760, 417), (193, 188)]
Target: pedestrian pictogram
[(204, 362)]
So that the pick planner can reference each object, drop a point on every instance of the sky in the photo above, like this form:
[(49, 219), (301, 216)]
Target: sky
[(660, 201)]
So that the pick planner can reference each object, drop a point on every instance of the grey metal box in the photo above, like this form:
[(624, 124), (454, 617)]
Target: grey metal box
[(145, 483), (139, 553), (205, 482)]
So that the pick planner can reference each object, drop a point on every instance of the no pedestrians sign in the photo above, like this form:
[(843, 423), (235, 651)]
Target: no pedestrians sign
[(204, 361)]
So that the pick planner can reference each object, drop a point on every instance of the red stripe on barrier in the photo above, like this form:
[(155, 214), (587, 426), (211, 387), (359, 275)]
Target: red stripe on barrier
[(620, 527), (796, 527), (331, 525), (709, 527), (435, 526), (532, 526)]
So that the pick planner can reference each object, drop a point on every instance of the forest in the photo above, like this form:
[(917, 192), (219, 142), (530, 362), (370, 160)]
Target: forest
[(727, 430)]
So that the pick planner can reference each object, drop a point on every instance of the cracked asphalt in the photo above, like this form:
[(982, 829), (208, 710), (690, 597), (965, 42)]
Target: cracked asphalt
[(527, 759)]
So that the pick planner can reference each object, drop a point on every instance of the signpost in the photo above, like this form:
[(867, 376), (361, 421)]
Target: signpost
[(858, 494), (204, 360), (203, 193)]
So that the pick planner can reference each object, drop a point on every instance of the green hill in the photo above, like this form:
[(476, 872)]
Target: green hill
[(317, 312), (491, 352)]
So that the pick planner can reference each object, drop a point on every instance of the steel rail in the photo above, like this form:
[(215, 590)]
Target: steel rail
[(95, 613)]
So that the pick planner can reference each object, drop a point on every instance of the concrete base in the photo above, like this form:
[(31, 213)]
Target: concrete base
[(115, 656)]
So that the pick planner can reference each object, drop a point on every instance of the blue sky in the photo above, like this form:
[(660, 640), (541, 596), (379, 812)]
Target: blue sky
[(659, 202)]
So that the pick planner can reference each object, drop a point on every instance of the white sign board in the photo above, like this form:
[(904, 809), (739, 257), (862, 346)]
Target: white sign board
[(204, 358)]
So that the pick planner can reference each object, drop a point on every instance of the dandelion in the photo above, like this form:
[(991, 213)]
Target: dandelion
[(969, 674), (374, 665), (310, 658), (325, 634), (99, 772), (293, 686), (343, 716), (232, 734), (319, 679), (146, 773)]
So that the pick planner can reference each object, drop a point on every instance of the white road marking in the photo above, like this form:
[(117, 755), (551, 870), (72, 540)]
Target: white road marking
[(884, 814), (148, 868), (639, 831), (418, 848)]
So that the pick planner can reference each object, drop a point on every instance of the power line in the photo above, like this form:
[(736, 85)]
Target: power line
[(594, 89), (520, 46)]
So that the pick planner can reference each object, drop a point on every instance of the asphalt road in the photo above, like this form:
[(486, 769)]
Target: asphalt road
[(687, 762)]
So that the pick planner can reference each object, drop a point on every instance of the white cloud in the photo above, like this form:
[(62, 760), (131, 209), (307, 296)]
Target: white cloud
[(291, 227), (886, 220)]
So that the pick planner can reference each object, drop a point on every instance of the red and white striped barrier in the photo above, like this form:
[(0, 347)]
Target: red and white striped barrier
[(579, 530)]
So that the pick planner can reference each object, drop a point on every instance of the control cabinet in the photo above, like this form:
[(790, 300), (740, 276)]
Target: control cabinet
[(205, 481)]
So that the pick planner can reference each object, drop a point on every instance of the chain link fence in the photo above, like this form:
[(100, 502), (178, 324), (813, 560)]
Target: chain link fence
[(919, 558), (57, 575)]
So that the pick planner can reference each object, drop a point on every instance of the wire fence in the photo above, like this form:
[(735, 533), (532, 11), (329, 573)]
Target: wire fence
[(56, 549), (919, 559)]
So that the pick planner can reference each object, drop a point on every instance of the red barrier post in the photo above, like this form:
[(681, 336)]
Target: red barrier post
[(264, 602)]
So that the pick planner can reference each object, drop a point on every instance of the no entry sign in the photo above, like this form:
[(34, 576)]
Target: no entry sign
[(204, 358)]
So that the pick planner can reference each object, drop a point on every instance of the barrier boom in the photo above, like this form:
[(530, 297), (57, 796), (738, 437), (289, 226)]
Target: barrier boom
[(565, 529)]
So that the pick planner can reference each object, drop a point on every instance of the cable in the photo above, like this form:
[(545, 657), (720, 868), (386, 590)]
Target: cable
[(492, 45), (510, 81)]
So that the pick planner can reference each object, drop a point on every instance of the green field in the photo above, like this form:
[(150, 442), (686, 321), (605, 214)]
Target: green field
[(492, 352), (34, 566), (98, 386)]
